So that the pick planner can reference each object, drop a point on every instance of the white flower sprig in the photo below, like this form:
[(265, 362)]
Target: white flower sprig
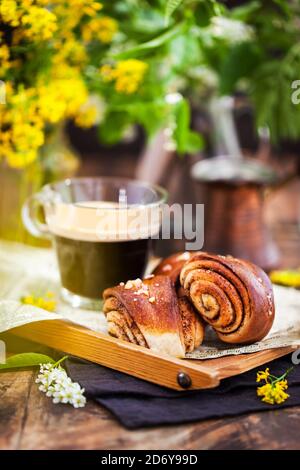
[(54, 381)]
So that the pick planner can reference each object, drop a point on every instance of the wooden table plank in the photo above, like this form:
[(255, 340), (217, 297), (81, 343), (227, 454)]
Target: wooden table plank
[(14, 392), (49, 426)]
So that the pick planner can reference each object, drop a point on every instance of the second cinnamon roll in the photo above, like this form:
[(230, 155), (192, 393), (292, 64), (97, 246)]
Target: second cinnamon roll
[(234, 296)]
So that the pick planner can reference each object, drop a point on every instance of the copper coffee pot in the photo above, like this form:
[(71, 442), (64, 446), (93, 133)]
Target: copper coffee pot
[(233, 194), (233, 189)]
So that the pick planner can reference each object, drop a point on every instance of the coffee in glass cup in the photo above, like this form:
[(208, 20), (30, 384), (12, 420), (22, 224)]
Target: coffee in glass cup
[(102, 231)]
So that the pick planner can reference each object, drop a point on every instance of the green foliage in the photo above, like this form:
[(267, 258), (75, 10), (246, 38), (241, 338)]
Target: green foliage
[(263, 65), (250, 48), (243, 12), (155, 43), (277, 66), (161, 34), (240, 62), (26, 360), (186, 140), (204, 11), (114, 126), (271, 95), (171, 6)]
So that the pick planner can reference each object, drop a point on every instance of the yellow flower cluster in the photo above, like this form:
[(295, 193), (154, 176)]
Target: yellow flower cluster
[(61, 96), (57, 91), (87, 116), (263, 375), (69, 49), (46, 302), (126, 74), (10, 12), (39, 23), (273, 391), (4, 59), (273, 394), (85, 7), (70, 15), (286, 278), (103, 29), (21, 133), (29, 110)]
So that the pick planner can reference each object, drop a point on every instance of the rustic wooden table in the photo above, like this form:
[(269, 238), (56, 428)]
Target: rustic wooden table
[(28, 420)]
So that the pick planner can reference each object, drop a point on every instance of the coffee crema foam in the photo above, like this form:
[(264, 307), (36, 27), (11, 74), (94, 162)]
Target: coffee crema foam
[(103, 221)]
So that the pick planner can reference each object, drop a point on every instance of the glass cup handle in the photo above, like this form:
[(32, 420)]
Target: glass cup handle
[(30, 218)]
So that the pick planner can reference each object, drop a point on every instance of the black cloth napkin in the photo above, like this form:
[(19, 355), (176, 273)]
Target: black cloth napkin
[(136, 403)]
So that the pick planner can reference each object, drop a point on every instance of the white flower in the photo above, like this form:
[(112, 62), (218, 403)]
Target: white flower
[(79, 400), (55, 383), (233, 31)]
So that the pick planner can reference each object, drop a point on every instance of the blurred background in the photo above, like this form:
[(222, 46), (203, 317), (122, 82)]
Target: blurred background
[(200, 96)]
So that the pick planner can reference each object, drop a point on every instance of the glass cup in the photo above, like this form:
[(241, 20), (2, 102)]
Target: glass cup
[(102, 230)]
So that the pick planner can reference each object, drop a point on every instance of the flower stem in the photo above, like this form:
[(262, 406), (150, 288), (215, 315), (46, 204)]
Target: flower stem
[(60, 361), (283, 376)]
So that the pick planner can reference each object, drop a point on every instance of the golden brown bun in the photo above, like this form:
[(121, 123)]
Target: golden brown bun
[(171, 266), (149, 313), (234, 296)]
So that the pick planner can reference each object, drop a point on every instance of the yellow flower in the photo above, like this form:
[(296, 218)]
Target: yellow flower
[(69, 50), (286, 278), (20, 160), (62, 96), (263, 375), (25, 135), (89, 7), (51, 105), (71, 17), (103, 29), (4, 59), (40, 23), (273, 393), (21, 128), (128, 75), (87, 116), (108, 73), (9, 12), (47, 302), (26, 139), (4, 52)]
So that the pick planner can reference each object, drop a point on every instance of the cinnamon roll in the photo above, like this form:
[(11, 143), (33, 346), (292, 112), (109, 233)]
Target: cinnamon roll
[(234, 296), (171, 266), (149, 313)]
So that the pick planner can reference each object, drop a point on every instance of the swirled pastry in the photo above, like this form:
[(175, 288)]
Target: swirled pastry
[(172, 265), (151, 314), (234, 296)]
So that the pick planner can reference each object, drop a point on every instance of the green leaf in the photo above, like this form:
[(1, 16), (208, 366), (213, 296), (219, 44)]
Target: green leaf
[(112, 129), (239, 62), (26, 360), (194, 142), (183, 123), (171, 6), (243, 12), (154, 43), (186, 140), (203, 13), (185, 52)]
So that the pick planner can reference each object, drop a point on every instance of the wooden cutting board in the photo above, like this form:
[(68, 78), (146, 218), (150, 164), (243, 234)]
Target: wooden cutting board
[(178, 374)]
